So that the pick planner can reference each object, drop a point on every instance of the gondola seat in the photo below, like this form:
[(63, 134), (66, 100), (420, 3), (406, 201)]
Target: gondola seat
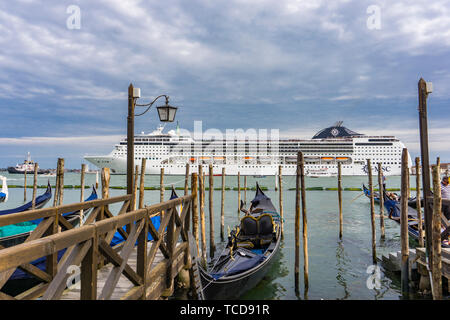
[(255, 232)]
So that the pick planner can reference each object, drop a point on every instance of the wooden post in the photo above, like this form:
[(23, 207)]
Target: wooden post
[(212, 246), (194, 191), (281, 198), (25, 185), (381, 188), (142, 247), (245, 189), (33, 206), (96, 179), (419, 210), (423, 127), (130, 140), (404, 223), (161, 186), (105, 182), (105, 178), (141, 183), (83, 171), (305, 224), (222, 207), (135, 186), (372, 213), (297, 225), (88, 275), (239, 192), (55, 198), (186, 180), (276, 182), (202, 213), (341, 226), (436, 264), (61, 182)]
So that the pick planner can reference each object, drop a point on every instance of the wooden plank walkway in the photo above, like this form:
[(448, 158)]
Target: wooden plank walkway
[(123, 286)]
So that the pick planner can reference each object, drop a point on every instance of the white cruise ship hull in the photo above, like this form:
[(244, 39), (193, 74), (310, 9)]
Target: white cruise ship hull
[(250, 156), (119, 166)]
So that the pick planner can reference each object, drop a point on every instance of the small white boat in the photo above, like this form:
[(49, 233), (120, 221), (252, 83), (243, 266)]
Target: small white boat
[(4, 192)]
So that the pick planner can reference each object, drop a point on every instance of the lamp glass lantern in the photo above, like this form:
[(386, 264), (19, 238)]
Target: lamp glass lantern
[(167, 113)]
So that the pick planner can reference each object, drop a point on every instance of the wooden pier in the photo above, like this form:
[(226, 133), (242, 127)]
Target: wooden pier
[(134, 269)]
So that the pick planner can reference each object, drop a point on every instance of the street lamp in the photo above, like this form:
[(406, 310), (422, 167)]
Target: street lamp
[(166, 113)]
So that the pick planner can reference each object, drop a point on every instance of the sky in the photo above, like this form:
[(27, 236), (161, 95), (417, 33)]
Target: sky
[(294, 65)]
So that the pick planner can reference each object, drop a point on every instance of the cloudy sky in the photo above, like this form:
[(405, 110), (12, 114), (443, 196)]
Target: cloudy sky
[(294, 65)]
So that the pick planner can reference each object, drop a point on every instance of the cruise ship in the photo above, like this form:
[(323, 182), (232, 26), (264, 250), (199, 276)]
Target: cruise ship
[(259, 157)]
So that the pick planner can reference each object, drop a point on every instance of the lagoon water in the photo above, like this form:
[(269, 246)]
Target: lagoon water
[(337, 268)]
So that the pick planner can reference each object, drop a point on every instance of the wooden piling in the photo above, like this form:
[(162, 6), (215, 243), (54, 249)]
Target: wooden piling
[(239, 192), (105, 176), (245, 190), (33, 201), (61, 182), (212, 246), (281, 199), (297, 225), (419, 209), (305, 224), (135, 187), (222, 207), (194, 191), (404, 223), (423, 130), (161, 186), (186, 180), (83, 172), (436, 264), (141, 183), (341, 227), (381, 191), (372, 213), (55, 198), (25, 185), (202, 212)]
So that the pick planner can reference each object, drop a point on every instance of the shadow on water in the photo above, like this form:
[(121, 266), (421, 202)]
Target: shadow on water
[(269, 288), (342, 263)]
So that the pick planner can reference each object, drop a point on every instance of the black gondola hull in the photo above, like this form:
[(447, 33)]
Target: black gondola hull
[(234, 287)]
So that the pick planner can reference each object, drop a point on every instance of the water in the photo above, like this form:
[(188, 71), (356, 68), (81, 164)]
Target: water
[(337, 269)]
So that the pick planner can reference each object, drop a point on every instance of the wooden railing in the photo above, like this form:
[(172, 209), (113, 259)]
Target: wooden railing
[(88, 247)]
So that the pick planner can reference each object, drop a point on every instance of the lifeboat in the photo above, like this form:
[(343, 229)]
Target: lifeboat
[(192, 159), (248, 158), (341, 158), (204, 158), (327, 158), (219, 158)]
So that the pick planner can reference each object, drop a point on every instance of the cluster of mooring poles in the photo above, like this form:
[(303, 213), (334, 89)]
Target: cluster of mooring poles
[(432, 207)]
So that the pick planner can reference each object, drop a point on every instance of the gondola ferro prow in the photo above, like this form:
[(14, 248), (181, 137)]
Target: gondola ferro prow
[(243, 209)]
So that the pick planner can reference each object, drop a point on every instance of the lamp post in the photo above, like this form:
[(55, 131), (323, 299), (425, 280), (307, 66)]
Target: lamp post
[(166, 114)]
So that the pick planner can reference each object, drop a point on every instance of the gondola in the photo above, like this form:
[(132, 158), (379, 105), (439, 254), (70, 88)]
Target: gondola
[(72, 217), (12, 235), (156, 221), (391, 205), (4, 192), (393, 208), (251, 249), (40, 202)]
